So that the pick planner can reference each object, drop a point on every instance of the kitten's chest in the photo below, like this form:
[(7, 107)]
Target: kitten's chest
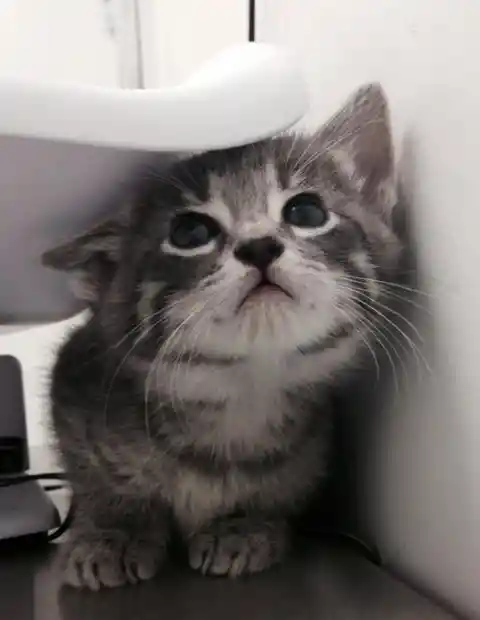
[(256, 403), (242, 405)]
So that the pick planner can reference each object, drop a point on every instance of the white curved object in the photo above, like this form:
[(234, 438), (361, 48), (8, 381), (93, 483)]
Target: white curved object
[(55, 181), (247, 93)]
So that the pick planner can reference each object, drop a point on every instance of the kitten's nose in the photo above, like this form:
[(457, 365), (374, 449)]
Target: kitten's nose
[(259, 253)]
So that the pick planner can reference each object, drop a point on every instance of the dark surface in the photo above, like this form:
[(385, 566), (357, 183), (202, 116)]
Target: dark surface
[(326, 582), (13, 429)]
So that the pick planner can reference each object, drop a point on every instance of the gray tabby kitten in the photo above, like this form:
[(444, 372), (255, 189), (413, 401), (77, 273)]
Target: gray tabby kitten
[(224, 304)]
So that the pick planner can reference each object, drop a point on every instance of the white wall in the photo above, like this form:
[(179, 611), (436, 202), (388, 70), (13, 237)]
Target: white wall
[(66, 40), (177, 37), (420, 462)]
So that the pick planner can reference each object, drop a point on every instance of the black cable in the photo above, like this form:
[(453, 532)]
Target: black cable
[(370, 552), (64, 525), (53, 487), (251, 20), (23, 478), (11, 481)]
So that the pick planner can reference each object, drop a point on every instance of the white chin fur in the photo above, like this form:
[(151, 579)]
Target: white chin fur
[(273, 327), (274, 324), (269, 325)]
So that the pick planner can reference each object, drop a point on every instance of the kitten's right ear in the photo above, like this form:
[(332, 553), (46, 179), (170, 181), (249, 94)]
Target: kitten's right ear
[(359, 139), (101, 241), (92, 257)]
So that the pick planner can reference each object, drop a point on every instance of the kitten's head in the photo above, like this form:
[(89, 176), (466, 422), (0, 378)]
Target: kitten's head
[(275, 246)]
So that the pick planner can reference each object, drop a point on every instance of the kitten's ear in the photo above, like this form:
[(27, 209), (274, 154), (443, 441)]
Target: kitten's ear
[(360, 141), (101, 241), (92, 257)]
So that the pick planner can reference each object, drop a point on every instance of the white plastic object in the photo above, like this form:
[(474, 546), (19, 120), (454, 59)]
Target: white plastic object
[(247, 93), (67, 152)]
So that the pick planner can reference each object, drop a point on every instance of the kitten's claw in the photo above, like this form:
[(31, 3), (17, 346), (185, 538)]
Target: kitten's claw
[(238, 546), (142, 562), (101, 563)]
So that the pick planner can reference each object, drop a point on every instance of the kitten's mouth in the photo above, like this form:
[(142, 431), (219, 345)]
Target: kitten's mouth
[(264, 290)]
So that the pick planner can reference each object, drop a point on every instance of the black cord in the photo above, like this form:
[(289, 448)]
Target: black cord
[(53, 487), (23, 478), (64, 525), (370, 552), (11, 481), (251, 20)]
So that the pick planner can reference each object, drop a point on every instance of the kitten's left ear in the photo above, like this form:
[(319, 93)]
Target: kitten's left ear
[(360, 142)]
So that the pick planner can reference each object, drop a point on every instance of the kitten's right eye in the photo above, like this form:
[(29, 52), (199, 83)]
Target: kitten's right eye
[(305, 210), (192, 230)]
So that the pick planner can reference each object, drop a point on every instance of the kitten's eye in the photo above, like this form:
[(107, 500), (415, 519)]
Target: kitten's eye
[(192, 230), (305, 210)]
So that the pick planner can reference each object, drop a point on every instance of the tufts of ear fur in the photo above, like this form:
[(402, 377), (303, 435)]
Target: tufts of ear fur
[(92, 257), (359, 140), (103, 239)]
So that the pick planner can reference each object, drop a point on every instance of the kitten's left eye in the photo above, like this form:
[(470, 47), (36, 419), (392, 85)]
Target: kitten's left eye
[(192, 230), (305, 210)]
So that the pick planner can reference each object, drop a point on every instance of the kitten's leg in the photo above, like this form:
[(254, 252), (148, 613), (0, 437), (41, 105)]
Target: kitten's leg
[(238, 545), (114, 542)]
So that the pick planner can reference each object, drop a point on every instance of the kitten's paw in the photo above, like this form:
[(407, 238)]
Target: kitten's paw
[(96, 563), (238, 546)]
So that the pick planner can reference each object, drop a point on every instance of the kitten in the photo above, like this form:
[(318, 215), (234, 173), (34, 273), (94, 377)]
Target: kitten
[(223, 305)]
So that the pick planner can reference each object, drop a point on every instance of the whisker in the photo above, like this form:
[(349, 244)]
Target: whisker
[(363, 337), (332, 144), (306, 150), (389, 309), (117, 371), (420, 358), (138, 326), (162, 352), (215, 300), (415, 304), (190, 343), (198, 312), (394, 285), (295, 138), (388, 326), (384, 343)]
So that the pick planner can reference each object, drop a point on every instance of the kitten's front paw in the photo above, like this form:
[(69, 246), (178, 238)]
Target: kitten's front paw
[(94, 563), (237, 547)]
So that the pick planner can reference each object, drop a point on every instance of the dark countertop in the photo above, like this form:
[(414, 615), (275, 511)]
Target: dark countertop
[(324, 581)]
